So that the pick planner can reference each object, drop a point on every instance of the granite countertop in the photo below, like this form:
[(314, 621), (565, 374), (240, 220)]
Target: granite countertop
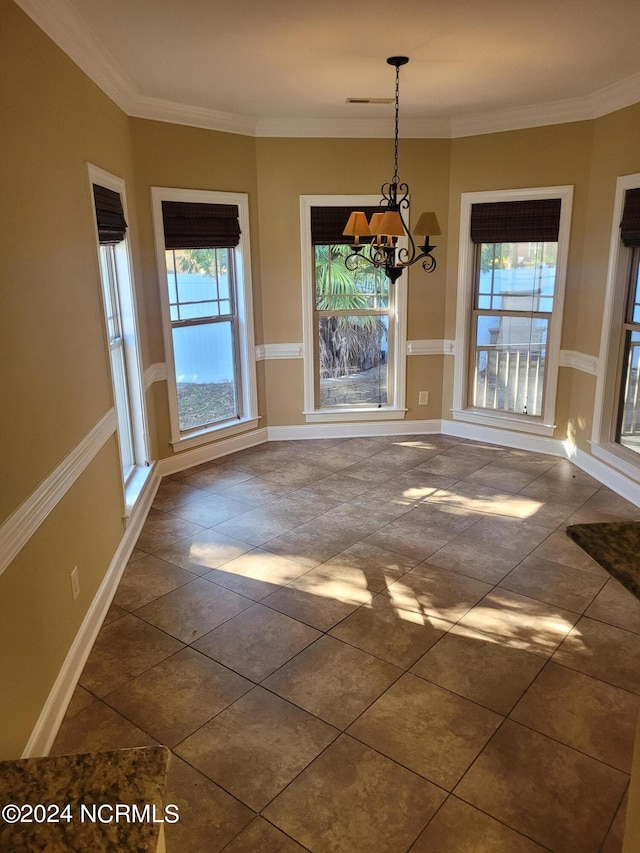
[(69, 790)]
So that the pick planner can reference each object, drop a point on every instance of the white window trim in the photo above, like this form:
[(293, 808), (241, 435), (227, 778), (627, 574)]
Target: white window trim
[(135, 482), (461, 410), (246, 344), (603, 445), (396, 409)]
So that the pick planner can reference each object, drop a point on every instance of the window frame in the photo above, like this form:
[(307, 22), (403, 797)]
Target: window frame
[(245, 346), (121, 281), (610, 361), (394, 408), (465, 342)]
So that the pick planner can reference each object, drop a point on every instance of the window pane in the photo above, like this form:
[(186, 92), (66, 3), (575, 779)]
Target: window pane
[(189, 311), (630, 401), (340, 289), (123, 409), (197, 280), (109, 288), (509, 363), (205, 375), (517, 276), (635, 297), (353, 353)]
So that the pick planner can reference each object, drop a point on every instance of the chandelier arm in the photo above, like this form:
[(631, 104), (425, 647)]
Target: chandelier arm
[(354, 260), (429, 263)]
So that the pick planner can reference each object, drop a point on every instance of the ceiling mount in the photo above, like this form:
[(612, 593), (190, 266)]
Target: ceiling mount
[(398, 61)]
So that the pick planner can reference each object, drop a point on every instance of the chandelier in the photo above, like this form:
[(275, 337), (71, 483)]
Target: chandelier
[(387, 227)]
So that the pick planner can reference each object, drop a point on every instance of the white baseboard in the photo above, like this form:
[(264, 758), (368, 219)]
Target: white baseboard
[(209, 452), (52, 714), (608, 476), (494, 435), (352, 430)]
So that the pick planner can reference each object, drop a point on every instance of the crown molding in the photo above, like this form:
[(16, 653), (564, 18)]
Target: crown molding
[(158, 110), (334, 128), (62, 23), (619, 95)]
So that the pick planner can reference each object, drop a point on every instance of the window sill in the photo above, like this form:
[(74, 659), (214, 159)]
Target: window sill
[(387, 413), (195, 439), (499, 421), (615, 456), (135, 487)]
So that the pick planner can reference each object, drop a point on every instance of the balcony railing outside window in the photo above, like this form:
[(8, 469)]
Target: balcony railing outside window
[(515, 285)]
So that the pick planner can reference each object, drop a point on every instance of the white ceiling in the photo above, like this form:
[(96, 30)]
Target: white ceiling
[(286, 67)]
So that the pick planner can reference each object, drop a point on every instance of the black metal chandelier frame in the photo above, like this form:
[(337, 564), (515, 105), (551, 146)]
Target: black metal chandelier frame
[(384, 251)]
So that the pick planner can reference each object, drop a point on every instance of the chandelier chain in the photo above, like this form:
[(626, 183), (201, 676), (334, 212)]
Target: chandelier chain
[(395, 161)]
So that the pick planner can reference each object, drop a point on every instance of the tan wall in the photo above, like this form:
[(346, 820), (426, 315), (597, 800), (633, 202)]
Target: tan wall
[(290, 168), (55, 372), (50, 301), (38, 617)]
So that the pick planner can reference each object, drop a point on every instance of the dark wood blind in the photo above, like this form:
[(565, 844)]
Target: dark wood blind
[(194, 225), (109, 215), (328, 223), (516, 221), (630, 225)]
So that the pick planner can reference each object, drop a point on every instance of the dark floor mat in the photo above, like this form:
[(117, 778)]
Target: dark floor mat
[(616, 546)]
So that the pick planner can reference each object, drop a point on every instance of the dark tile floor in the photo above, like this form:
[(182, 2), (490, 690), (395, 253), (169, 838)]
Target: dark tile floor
[(374, 644)]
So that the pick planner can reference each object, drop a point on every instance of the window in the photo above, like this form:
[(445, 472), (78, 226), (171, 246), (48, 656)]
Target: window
[(616, 429), (354, 321), (121, 327), (203, 252), (513, 258), (628, 420)]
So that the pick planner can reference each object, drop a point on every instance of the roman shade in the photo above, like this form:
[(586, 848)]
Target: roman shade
[(109, 215), (196, 225), (516, 221), (630, 225), (328, 223)]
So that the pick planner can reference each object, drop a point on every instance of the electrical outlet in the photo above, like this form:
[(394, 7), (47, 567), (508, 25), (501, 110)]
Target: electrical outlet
[(75, 583), (423, 398)]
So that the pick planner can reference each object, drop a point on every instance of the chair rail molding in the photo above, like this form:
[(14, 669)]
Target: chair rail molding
[(266, 352), (579, 361), (431, 347), (16, 531), (154, 373)]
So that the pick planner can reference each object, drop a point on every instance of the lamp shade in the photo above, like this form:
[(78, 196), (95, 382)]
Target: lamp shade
[(357, 226), (391, 224), (374, 225), (427, 225)]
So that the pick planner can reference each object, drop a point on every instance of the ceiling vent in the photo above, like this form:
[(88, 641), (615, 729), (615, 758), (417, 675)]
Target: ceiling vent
[(369, 100)]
